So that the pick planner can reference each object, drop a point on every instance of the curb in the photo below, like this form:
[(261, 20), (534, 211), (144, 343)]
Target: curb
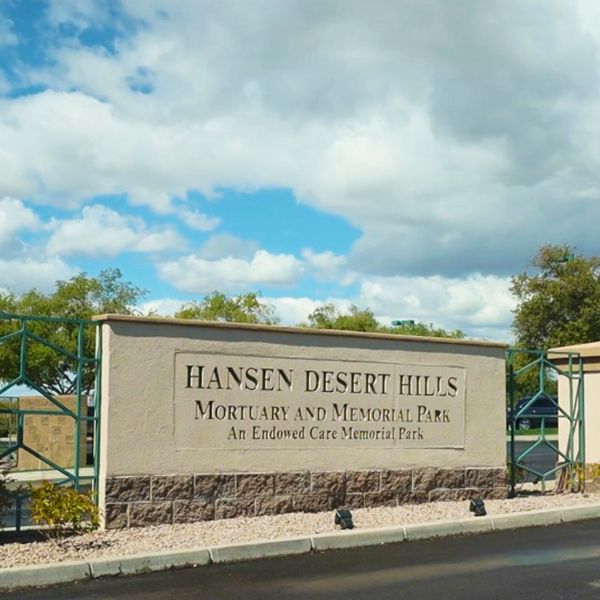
[(64, 572), (252, 551)]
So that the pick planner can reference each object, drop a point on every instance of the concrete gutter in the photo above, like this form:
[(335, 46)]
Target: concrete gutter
[(56, 573)]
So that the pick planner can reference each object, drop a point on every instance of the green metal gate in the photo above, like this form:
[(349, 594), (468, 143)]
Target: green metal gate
[(533, 379), (50, 358)]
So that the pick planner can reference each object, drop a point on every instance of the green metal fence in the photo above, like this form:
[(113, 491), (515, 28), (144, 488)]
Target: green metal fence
[(533, 376), (50, 357)]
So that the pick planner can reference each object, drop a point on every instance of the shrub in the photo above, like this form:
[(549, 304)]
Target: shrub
[(63, 510)]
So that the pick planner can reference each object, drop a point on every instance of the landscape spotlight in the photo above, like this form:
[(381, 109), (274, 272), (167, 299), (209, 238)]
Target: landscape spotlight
[(343, 518), (477, 507)]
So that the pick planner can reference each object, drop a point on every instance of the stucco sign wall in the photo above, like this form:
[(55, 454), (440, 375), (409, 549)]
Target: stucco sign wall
[(211, 420)]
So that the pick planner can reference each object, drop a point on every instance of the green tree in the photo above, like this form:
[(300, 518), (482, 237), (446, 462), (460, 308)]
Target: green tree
[(356, 319), (80, 297), (430, 330), (216, 306), (558, 304), (329, 317)]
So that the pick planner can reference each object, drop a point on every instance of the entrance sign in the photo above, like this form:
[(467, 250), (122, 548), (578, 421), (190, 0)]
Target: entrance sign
[(227, 401), (206, 420)]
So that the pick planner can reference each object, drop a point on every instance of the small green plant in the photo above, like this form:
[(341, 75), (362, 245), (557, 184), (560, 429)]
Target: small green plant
[(63, 510)]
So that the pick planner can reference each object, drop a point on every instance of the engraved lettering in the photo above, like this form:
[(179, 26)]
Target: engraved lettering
[(236, 376), (253, 402), (252, 377), (452, 387), (342, 382), (405, 385), (194, 376), (312, 381)]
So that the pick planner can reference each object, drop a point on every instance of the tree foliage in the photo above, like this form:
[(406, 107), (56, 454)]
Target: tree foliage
[(329, 317), (356, 319), (80, 297), (249, 308), (216, 306), (559, 304)]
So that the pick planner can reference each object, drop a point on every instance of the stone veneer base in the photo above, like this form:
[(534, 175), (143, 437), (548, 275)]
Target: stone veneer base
[(134, 501)]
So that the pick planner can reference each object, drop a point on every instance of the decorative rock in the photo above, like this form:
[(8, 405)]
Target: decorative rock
[(227, 495), (495, 493), (255, 484), (127, 489), (362, 481), (229, 508), (214, 486), (333, 483), (500, 478), (313, 503), (150, 513), (481, 478), (386, 498), (175, 487), (96, 546), (451, 495), (292, 483), (355, 500), (429, 479), (116, 516), (417, 497), (188, 511), (273, 505), (396, 481)]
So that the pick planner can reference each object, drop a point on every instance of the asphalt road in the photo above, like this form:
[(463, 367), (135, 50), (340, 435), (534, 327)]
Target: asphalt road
[(542, 459), (545, 563)]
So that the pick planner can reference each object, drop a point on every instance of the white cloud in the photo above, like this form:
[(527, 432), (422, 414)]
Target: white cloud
[(195, 274), (293, 311), (102, 231), (227, 245), (167, 240), (430, 156), (328, 266), (82, 13), (164, 307), (22, 274), (419, 140), (198, 220), (15, 217), (480, 305)]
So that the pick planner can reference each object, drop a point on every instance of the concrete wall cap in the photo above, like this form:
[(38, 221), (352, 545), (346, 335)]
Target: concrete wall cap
[(108, 318)]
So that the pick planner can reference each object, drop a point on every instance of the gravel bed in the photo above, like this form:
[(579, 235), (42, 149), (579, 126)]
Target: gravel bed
[(230, 531)]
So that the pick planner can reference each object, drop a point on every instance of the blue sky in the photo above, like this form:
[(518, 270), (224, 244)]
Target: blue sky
[(404, 156)]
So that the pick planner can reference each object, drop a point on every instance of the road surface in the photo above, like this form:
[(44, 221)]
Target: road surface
[(542, 459), (548, 563)]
